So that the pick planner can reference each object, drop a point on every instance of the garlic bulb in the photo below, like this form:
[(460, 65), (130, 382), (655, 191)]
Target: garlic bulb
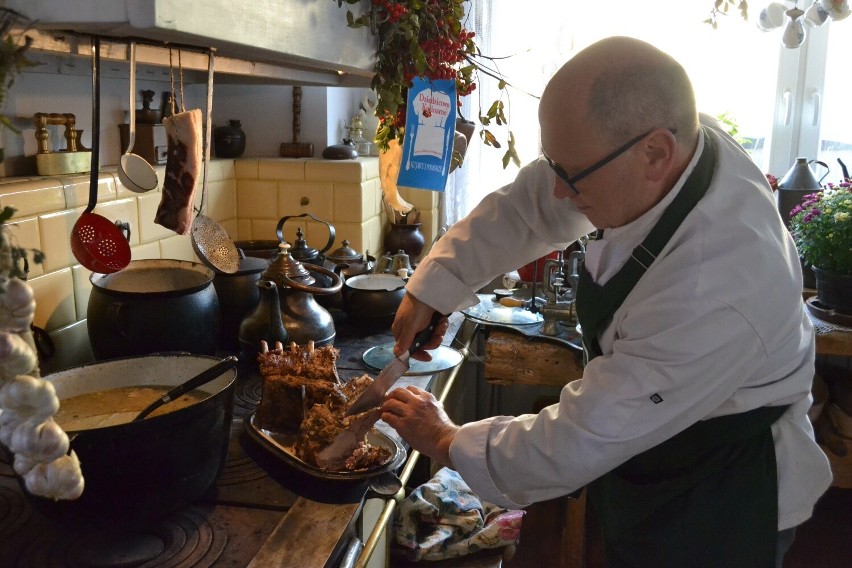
[(43, 442), (17, 306), (59, 479), (32, 399), (23, 464), (9, 421), (16, 356)]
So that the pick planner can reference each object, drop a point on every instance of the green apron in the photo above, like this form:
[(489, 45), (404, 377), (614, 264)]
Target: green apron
[(708, 497)]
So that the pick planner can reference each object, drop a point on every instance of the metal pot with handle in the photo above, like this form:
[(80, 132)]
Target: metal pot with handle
[(151, 306)]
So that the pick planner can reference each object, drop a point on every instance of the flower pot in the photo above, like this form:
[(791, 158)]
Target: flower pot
[(834, 290)]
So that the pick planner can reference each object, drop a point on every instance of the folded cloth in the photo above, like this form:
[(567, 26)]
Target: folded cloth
[(444, 519)]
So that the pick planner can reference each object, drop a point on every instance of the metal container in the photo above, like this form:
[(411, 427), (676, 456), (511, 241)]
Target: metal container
[(147, 469), (153, 306)]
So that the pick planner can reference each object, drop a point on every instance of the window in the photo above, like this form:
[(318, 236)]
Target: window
[(785, 102)]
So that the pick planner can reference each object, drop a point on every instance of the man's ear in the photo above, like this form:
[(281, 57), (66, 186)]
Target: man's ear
[(660, 151)]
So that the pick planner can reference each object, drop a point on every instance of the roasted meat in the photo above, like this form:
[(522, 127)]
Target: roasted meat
[(333, 441)]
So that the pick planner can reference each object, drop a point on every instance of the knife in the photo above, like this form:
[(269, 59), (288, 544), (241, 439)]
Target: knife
[(373, 394)]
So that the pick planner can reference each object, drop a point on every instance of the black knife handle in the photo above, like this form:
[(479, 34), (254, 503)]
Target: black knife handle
[(425, 335)]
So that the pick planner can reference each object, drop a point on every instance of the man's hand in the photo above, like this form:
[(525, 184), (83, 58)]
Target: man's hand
[(411, 317), (421, 421)]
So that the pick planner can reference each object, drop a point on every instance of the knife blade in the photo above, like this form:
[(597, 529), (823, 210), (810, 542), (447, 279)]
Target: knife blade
[(373, 394)]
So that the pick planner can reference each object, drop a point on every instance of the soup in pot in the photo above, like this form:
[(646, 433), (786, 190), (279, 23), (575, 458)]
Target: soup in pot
[(117, 406)]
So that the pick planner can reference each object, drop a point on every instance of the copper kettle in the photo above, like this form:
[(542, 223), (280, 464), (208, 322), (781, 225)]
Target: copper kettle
[(304, 319)]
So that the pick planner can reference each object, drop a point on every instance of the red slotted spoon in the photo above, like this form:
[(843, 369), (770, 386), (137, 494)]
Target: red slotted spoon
[(98, 243)]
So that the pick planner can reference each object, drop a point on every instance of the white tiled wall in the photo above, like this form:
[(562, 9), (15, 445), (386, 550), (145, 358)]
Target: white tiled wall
[(247, 197)]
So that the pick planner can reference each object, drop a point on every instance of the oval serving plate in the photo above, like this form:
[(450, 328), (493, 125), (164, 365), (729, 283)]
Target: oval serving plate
[(282, 446)]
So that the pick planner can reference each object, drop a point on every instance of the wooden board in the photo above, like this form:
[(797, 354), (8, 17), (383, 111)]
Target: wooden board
[(513, 358)]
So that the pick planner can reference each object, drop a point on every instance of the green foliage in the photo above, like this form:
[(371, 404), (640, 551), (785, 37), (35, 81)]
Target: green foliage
[(725, 7), (730, 125), (822, 228), (428, 39), (13, 59), (13, 258)]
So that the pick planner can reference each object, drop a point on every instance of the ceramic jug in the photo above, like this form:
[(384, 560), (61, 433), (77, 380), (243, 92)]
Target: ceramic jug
[(796, 183)]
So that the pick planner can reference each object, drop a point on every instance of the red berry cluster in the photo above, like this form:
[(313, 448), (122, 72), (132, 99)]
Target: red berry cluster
[(394, 10)]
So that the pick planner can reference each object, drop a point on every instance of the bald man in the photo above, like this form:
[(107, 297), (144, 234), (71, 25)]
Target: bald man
[(689, 428)]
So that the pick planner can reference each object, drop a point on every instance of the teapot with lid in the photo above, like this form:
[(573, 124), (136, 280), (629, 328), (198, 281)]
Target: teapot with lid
[(304, 318), (351, 261)]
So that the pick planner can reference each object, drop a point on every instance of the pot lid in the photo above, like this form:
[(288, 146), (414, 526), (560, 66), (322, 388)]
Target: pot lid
[(284, 264), (301, 250), (249, 265), (345, 254)]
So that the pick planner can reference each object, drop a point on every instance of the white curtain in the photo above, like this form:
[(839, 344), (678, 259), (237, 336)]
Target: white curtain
[(530, 41)]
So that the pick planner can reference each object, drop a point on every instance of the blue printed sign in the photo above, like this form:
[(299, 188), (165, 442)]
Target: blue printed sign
[(430, 125)]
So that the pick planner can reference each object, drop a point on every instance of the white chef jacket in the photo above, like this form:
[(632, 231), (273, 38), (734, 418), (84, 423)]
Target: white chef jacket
[(716, 326)]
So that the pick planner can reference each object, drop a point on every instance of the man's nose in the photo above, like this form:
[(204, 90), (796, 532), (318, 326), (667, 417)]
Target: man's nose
[(561, 189)]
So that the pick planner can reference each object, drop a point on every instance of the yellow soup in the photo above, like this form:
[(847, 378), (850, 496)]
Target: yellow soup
[(117, 406)]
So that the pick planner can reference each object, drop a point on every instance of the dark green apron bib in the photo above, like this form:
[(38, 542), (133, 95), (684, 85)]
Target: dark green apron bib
[(708, 497)]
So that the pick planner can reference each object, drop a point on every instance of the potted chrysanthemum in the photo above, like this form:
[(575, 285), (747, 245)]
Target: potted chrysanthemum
[(822, 228)]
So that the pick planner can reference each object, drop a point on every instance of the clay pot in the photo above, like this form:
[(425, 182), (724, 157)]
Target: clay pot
[(405, 237)]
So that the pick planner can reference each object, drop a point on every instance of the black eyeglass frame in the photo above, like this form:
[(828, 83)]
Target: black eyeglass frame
[(570, 181)]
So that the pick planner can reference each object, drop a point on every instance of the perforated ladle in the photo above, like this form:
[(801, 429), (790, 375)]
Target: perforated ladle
[(209, 239), (135, 173), (98, 243)]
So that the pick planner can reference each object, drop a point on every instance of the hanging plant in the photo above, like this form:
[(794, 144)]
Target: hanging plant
[(13, 57), (428, 39)]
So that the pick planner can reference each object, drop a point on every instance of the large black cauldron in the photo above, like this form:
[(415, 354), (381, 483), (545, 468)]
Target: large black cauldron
[(143, 470), (154, 306)]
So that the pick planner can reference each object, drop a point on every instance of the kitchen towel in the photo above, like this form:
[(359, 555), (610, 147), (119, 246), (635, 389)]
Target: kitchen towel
[(444, 519)]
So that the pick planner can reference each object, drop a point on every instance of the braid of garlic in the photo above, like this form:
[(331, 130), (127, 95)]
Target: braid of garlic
[(28, 402)]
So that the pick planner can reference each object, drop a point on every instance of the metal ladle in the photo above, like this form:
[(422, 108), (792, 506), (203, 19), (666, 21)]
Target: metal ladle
[(135, 173), (198, 380)]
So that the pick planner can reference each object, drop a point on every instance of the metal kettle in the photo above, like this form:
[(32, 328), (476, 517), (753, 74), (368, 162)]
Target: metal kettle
[(304, 319), (799, 181)]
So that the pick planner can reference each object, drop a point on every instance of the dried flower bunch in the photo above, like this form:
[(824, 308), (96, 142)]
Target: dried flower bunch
[(822, 228), (428, 39)]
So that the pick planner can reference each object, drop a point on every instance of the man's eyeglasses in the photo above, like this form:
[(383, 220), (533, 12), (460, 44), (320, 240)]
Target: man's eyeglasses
[(570, 181)]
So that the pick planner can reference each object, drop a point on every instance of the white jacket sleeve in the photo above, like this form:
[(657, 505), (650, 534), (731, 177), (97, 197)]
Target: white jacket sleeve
[(510, 227)]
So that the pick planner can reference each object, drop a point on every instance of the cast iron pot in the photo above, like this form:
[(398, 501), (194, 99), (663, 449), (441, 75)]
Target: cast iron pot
[(238, 296), (143, 470), (153, 306), (371, 300)]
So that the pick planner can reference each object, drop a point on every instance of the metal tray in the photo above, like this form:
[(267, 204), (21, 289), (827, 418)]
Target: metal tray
[(282, 446)]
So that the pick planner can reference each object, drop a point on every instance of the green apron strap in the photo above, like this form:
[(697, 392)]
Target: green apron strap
[(596, 304)]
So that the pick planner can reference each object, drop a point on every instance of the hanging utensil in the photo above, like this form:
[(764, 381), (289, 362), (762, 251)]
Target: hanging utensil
[(135, 173), (211, 242), (198, 380), (98, 243)]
